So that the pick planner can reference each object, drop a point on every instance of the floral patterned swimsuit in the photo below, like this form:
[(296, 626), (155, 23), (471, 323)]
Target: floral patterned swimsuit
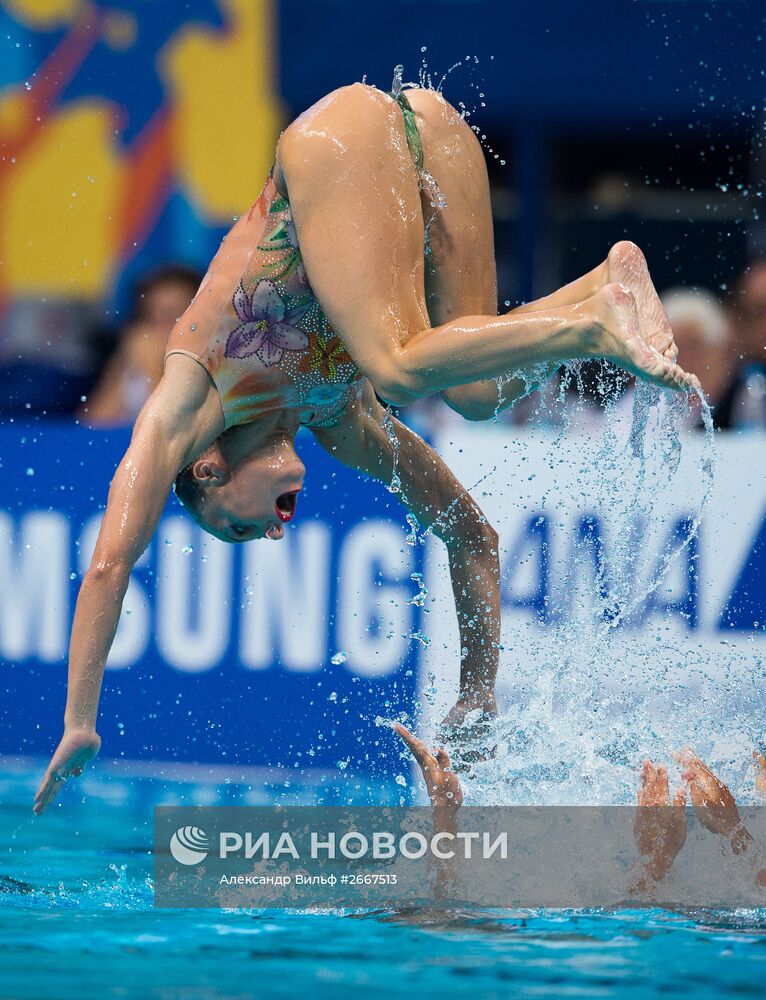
[(256, 326)]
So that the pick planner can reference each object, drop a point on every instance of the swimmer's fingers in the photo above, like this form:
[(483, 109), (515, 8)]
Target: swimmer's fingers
[(713, 800), (51, 785), (76, 748), (653, 789), (662, 791), (417, 748), (648, 779), (47, 792), (699, 776)]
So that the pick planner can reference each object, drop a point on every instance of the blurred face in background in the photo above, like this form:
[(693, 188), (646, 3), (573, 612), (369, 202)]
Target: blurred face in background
[(749, 313), (164, 302), (703, 334)]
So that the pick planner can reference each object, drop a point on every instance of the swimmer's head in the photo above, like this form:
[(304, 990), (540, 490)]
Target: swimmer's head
[(238, 496)]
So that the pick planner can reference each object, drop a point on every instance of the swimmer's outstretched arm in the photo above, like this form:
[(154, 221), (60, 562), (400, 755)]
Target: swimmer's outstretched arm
[(177, 423), (438, 501)]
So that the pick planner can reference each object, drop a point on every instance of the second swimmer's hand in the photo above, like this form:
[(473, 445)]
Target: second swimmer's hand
[(442, 783), (713, 802), (78, 746)]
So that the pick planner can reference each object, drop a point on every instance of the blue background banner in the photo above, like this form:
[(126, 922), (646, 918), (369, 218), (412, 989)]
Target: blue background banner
[(224, 653)]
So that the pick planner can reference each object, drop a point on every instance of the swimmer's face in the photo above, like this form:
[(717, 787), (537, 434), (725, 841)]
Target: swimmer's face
[(254, 497)]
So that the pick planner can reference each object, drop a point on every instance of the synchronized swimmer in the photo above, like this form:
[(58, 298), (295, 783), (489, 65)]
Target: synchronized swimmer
[(320, 302)]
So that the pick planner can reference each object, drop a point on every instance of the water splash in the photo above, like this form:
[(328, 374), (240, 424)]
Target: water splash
[(573, 734), (395, 486), (590, 692), (396, 85), (420, 598), (414, 525)]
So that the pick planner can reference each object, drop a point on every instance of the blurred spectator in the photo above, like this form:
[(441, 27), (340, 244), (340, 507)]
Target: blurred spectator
[(702, 332), (135, 367), (743, 403), (46, 360)]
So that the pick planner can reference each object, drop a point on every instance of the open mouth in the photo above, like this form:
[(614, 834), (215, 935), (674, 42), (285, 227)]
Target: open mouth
[(285, 505)]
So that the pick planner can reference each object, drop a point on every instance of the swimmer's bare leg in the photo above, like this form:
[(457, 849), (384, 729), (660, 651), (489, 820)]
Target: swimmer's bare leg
[(358, 217), (460, 274)]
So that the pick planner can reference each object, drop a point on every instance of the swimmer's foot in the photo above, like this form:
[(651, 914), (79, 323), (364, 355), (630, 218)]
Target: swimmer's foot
[(627, 266), (623, 343)]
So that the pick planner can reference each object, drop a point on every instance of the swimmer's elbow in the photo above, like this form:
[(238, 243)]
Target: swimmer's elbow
[(394, 384), (112, 570)]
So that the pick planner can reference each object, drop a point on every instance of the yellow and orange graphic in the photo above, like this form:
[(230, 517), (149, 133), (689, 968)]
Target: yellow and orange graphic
[(122, 107)]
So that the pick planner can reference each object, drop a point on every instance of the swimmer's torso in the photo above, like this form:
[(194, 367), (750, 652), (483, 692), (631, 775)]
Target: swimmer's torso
[(257, 328)]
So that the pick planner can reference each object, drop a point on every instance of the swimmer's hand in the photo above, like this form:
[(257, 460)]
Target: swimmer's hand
[(78, 746), (659, 830), (442, 783), (713, 802)]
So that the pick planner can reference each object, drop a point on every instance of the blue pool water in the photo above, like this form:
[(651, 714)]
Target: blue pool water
[(80, 923)]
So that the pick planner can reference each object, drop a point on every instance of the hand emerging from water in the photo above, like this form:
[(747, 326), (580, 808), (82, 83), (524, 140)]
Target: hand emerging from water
[(442, 783), (713, 802), (76, 749), (659, 828)]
